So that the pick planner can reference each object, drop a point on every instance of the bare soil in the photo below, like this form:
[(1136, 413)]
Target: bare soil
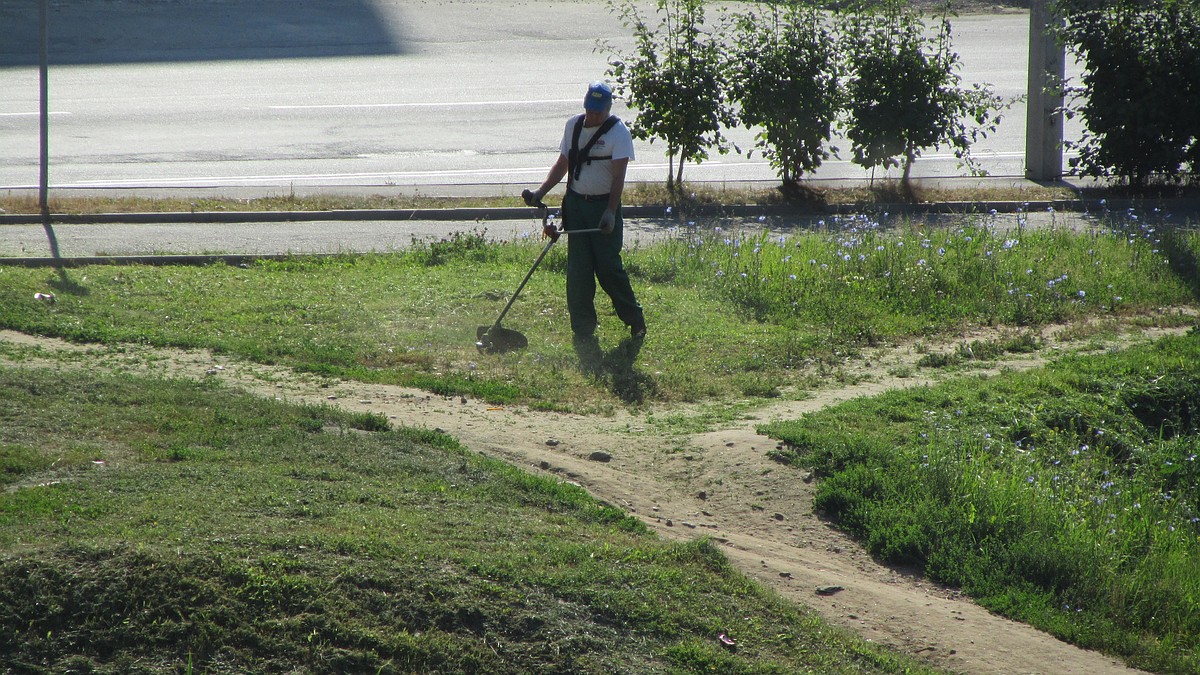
[(720, 484)]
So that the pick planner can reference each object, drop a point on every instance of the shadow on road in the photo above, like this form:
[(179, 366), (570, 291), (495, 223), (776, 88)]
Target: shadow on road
[(140, 31)]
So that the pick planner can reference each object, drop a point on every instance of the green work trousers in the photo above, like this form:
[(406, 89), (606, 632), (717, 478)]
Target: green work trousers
[(595, 257)]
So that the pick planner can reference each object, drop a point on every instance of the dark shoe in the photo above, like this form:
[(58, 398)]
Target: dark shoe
[(638, 332)]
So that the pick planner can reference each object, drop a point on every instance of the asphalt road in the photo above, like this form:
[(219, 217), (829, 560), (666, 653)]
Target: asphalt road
[(391, 94)]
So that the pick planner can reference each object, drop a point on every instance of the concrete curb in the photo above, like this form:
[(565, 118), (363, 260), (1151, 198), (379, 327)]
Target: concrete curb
[(225, 217), (522, 213)]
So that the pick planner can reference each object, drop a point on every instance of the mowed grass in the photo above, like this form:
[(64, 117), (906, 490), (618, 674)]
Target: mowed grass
[(732, 314), (151, 525), (1066, 497)]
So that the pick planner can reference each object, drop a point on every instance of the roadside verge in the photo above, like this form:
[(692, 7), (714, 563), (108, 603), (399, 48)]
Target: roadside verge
[(1180, 205)]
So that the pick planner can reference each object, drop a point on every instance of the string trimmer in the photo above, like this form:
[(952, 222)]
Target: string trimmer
[(497, 338)]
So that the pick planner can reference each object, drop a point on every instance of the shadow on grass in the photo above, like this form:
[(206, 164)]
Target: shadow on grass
[(64, 283), (615, 368), (1183, 259)]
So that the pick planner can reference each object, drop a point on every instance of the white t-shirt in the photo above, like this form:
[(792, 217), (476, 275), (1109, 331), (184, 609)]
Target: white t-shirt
[(617, 143)]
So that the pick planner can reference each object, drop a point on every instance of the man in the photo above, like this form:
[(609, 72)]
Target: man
[(594, 154)]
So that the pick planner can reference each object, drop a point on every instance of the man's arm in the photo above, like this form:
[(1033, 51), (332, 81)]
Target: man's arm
[(619, 167), (554, 177), (608, 220)]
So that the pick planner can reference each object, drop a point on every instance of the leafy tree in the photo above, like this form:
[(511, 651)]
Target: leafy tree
[(785, 78), (904, 94), (675, 81), (1140, 86)]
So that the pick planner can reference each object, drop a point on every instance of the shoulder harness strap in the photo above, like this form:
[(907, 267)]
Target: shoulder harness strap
[(578, 157)]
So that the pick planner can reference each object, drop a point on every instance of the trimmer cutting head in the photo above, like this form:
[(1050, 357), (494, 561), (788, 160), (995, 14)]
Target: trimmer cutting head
[(496, 338)]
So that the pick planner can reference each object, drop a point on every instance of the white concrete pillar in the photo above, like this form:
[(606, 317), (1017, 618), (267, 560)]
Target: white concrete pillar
[(1044, 118)]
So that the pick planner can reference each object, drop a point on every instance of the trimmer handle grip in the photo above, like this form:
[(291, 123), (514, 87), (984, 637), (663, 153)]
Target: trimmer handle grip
[(531, 199)]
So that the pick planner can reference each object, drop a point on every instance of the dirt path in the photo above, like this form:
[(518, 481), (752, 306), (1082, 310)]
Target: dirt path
[(719, 484)]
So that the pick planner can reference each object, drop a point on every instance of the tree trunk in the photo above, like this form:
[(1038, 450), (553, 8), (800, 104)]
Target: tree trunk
[(905, 185)]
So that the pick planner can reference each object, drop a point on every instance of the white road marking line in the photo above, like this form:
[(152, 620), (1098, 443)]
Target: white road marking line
[(31, 114), (397, 177), (446, 104)]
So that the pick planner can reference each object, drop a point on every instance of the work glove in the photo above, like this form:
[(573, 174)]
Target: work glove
[(532, 198), (608, 221)]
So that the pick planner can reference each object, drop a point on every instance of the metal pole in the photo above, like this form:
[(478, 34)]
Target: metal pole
[(44, 189), (1044, 118)]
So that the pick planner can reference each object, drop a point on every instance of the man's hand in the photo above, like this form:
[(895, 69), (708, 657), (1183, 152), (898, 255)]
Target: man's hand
[(532, 197), (549, 230), (608, 221)]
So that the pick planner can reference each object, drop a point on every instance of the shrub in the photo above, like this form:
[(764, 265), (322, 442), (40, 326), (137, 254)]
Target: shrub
[(785, 78), (903, 93), (675, 82), (894, 91), (1140, 82)]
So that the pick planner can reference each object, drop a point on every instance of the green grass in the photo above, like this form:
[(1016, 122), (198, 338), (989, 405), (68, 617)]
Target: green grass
[(1065, 497), (237, 534), (732, 315), (866, 281), (982, 351), (151, 525)]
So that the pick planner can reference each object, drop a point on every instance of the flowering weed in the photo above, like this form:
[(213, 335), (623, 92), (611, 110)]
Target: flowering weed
[(861, 280)]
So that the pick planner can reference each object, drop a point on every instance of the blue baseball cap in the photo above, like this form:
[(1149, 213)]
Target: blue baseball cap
[(599, 97)]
